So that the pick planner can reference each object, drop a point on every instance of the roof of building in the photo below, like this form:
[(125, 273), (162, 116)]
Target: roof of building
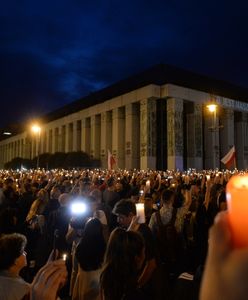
[(159, 75)]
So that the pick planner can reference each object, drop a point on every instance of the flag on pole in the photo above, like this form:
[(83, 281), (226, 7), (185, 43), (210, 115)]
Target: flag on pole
[(230, 158), (111, 161)]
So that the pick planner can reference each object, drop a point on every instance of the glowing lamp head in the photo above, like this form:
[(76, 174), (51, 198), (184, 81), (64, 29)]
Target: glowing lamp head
[(212, 107), (36, 129), (78, 208)]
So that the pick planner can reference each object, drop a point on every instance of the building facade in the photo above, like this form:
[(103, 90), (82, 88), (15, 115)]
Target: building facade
[(149, 125)]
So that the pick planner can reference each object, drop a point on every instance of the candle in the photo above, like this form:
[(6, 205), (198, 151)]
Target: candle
[(208, 177), (148, 186), (140, 212), (237, 202), (64, 256)]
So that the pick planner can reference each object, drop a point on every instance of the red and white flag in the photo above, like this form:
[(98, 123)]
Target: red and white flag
[(111, 161), (229, 159)]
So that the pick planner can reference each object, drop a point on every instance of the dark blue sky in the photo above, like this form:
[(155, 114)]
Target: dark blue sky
[(54, 52)]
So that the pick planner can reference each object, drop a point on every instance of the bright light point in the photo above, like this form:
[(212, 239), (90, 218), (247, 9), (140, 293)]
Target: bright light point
[(36, 129), (64, 256), (78, 208), (212, 107), (7, 133)]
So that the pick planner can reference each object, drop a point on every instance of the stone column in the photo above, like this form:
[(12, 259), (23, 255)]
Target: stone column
[(4, 154), (74, 136), (148, 135), (194, 138), (63, 130), (106, 137), (33, 147), (15, 149), (132, 136), (54, 139), (175, 133), (1, 157), (22, 148), (79, 135), (95, 125), (70, 137), (60, 139), (85, 140), (45, 143), (66, 138), (118, 136), (50, 141), (10, 152), (211, 141), (241, 139), (26, 147), (226, 132)]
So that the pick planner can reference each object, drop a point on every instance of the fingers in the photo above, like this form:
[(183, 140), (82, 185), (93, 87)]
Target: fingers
[(48, 281), (220, 243), (56, 279), (48, 270), (53, 255)]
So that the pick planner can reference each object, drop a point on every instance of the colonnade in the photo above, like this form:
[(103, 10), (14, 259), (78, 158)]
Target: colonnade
[(130, 131)]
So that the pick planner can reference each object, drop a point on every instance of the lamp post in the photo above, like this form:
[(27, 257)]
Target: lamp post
[(213, 109), (36, 130)]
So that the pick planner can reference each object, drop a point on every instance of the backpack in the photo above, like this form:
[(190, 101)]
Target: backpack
[(169, 242)]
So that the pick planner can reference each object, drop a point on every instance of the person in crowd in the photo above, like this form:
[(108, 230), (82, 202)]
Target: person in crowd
[(151, 273), (123, 261), (46, 283), (89, 253), (25, 202), (1, 193), (59, 221), (12, 261), (53, 202), (10, 195), (76, 230), (8, 221), (39, 205), (110, 196), (168, 205)]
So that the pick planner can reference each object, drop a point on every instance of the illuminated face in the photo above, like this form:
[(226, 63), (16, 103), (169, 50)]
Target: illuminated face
[(124, 221)]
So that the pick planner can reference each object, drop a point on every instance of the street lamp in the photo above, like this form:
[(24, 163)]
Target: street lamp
[(213, 109), (36, 129)]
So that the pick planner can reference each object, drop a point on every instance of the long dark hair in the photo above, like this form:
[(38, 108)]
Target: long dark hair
[(119, 273), (90, 250)]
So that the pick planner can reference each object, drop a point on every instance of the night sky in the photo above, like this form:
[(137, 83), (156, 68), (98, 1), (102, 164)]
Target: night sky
[(54, 52)]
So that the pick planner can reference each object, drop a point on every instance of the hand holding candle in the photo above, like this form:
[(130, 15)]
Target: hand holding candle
[(148, 186), (140, 212), (237, 201)]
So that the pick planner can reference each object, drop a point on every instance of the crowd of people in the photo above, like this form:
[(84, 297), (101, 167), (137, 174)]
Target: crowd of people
[(76, 234)]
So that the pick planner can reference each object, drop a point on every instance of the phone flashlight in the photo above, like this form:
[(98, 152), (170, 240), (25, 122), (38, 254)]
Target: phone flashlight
[(78, 208)]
